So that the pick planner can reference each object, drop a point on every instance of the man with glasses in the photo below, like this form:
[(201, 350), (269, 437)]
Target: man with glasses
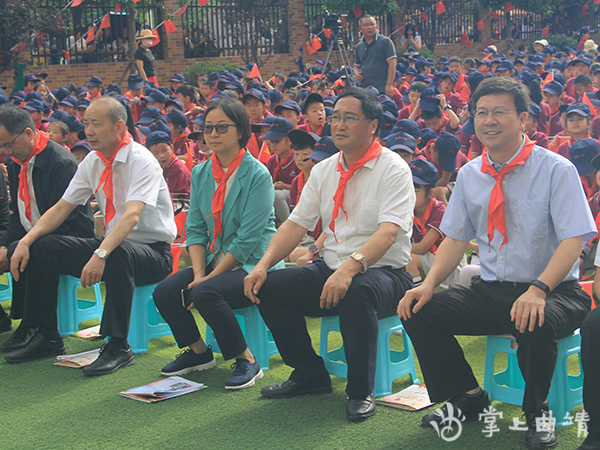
[(375, 57), (39, 171), (365, 198), (527, 210), (135, 251)]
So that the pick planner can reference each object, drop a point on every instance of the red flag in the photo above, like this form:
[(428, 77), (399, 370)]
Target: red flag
[(585, 9), (327, 31), (117, 8), (202, 2), (254, 73), (309, 49), (169, 26), (465, 40), (135, 1), (105, 22), (315, 43), (494, 15), (585, 99), (508, 7), (424, 17), (357, 12), (157, 40), (481, 25), (546, 31), (66, 55), (596, 2), (75, 3), (548, 79), (440, 8), (182, 10), (90, 35), (344, 21)]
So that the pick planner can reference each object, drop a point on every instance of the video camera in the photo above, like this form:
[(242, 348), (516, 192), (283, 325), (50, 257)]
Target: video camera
[(332, 21)]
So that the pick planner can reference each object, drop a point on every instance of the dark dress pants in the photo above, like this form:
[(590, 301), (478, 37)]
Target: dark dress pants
[(130, 264), (484, 309), (290, 294), (590, 359)]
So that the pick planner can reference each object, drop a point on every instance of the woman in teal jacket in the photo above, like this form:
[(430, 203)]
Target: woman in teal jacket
[(229, 225)]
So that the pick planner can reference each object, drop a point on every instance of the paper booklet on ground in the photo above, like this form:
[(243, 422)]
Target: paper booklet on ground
[(413, 398), (78, 360), (163, 389), (89, 333)]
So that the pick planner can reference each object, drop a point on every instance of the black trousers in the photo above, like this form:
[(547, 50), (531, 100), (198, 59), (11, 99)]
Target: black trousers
[(484, 309), (130, 264), (290, 294), (590, 359), (215, 299)]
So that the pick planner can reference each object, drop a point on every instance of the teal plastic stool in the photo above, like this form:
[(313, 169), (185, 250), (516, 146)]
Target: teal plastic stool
[(71, 310), (146, 322), (508, 386), (257, 335), (391, 364), (6, 289)]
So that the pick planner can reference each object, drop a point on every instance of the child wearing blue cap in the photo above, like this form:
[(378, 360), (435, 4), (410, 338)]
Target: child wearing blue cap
[(531, 126), (577, 125), (175, 172), (412, 95)]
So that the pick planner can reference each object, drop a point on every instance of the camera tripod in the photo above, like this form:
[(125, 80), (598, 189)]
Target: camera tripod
[(337, 43)]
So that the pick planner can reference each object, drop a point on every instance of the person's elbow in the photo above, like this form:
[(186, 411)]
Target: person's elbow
[(389, 233)]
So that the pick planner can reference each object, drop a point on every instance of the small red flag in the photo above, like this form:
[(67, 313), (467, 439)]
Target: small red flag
[(327, 31), (117, 8), (90, 35), (157, 40), (548, 79), (585, 9), (309, 49), (344, 21), (546, 31), (66, 55), (105, 22), (202, 2), (169, 26), (440, 8), (315, 43), (254, 73), (508, 7), (135, 1), (357, 12), (424, 17), (596, 2), (481, 25), (182, 10), (465, 40), (75, 3), (494, 15)]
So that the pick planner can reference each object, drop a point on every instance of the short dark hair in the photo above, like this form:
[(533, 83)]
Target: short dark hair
[(583, 79), (235, 110), (410, 27), (63, 127), (470, 62), (417, 86), (295, 94), (187, 91), (366, 16), (455, 59), (369, 104), (504, 85), (15, 119), (427, 115)]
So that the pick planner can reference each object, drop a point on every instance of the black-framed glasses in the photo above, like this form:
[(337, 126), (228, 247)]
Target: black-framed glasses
[(221, 128), (349, 120), (8, 146)]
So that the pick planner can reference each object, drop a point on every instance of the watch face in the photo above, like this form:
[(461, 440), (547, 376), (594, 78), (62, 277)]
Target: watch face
[(313, 248)]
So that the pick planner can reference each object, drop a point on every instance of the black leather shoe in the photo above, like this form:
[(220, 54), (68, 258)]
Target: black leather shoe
[(359, 409), (5, 324), (111, 359), (290, 388), (464, 408), (37, 347), (19, 339), (537, 437)]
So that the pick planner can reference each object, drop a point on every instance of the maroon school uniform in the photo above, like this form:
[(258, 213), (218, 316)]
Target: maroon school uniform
[(566, 146), (182, 144), (287, 171), (298, 184), (544, 117), (177, 177), (471, 143), (456, 102), (461, 160), (191, 115), (406, 112), (433, 221), (554, 127), (595, 127), (540, 138)]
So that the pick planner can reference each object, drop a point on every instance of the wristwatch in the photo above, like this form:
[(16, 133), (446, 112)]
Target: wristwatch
[(541, 285), (102, 254), (359, 257), (447, 107), (314, 249)]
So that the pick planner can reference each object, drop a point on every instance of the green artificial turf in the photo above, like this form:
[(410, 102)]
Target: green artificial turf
[(47, 406)]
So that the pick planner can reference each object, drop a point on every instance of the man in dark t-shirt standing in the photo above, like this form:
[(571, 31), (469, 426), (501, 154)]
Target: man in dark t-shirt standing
[(144, 59)]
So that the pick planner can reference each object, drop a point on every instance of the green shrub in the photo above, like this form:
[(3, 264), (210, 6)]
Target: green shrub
[(191, 73)]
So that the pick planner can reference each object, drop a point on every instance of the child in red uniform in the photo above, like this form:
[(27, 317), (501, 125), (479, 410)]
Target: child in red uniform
[(581, 154), (256, 107), (290, 110), (412, 95), (175, 172), (313, 111), (531, 126), (187, 95), (578, 124), (182, 145), (403, 144), (436, 113)]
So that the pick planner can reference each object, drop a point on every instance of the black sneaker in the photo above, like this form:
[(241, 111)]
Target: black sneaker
[(5, 324), (19, 339), (540, 433), (592, 442), (112, 358), (37, 347), (189, 361), (465, 408), (244, 375)]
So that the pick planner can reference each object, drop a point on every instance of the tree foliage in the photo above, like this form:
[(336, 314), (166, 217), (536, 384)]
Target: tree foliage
[(373, 7)]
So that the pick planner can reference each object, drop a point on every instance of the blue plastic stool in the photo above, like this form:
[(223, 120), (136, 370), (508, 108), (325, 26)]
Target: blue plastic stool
[(6, 289), (71, 310), (258, 337), (508, 385), (391, 364), (146, 322)]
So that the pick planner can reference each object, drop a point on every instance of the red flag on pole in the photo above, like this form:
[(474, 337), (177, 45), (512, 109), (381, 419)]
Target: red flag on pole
[(508, 7), (182, 10), (309, 49), (254, 73), (596, 2), (90, 35), (546, 31), (202, 2), (424, 17), (465, 40), (135, 1), (440, 8), (494, 15), (169, 26), (315, 43), (585, 9), (481, 25), (327, 31), (157, 40), (357, 12), (66, 55), (75, 3), (548, 79), (105, 22), (117, 8)]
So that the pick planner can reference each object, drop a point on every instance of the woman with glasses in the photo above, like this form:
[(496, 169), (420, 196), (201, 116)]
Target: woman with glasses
[(229, 225)]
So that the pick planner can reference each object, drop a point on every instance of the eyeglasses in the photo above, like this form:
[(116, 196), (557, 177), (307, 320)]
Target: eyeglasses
[(349, 120), (221, 128), (497, 113), (8, 146)]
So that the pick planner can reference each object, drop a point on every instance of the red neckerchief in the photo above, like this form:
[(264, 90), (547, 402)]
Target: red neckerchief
[(496, 219), (281, 164), (554, 111), (301, 183), (41, 141), (106, 178), (597, 220), (558, 141), (180, 138), (588, 186), (318, 132), (373, 151), (422, 223), (218, 199), (428, 157), (572, 140)]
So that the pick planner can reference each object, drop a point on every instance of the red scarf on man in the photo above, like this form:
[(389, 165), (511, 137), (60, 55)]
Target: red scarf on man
[(40, 144), (373, 151), (496, 218), (218, 200), (422, 223), (281, 164), (106, 178)]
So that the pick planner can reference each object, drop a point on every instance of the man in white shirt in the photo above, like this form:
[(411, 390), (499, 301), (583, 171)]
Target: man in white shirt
[(138, 212), (365, 198)]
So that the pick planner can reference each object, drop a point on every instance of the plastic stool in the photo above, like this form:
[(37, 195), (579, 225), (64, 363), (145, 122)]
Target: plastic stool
[(146, 322), (257, 335), (391, 364), (508, 385), (72, 310), (6, 289)]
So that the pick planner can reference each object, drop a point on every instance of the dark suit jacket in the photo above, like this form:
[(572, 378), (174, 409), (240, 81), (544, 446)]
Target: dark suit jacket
[(52, 172)]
